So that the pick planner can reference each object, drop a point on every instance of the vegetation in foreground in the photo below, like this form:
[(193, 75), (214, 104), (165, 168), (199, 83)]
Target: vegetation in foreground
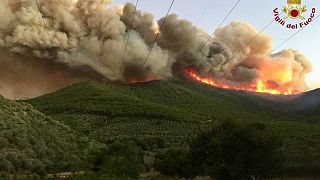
[(228, 151), (175, 112), (151, 119), (32, 143)]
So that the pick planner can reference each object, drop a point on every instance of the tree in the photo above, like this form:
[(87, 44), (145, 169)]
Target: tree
[(175, 162), (120, 159), (6, 166), (233, 151)]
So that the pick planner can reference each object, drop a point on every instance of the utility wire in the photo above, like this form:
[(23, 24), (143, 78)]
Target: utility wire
[(203, 12), (157, 36), (45, 26), (198, 20), (223, 20), (54, 53), (128, 38), (255, 36), (277, 47), (101, 35)]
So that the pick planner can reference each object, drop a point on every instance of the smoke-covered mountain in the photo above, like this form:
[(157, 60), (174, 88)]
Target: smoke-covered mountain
[(157, 84), (90, 35)]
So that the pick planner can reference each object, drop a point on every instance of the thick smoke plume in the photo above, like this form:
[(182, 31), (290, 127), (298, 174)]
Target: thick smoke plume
[(24, 77), (74, 37)]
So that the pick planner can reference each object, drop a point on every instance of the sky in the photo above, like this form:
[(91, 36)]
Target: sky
[(208, 14)]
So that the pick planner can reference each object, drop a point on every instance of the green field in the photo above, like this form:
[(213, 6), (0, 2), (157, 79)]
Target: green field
[(175, 111)]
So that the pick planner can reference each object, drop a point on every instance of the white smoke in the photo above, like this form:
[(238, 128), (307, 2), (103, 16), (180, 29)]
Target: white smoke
[(86, 35)]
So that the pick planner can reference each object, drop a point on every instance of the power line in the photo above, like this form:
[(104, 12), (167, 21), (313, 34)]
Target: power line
[(127, 41), (45, 26), (203, 12), (223, 20), (255, 36), (157, 36), (54, 53), (101, 35), (198, 20), (277, 47)]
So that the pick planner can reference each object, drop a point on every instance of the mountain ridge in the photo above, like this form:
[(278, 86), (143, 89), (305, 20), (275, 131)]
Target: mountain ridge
[(175, 111)]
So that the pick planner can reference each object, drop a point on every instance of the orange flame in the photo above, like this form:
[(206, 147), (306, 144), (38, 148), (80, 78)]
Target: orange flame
[(259, 86)]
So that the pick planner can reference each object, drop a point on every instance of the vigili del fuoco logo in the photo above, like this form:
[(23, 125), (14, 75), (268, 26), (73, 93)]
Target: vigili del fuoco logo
[(294, 15)]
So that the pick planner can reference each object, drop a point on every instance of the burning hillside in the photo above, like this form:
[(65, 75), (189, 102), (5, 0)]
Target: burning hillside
[(87, 35), (259, 85)]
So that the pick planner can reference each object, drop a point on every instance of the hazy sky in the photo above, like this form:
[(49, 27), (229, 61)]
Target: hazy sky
[(208, 14)]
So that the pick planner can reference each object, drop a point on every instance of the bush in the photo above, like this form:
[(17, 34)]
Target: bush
[(232, 151), (95, 176), (228, 151), (175, 162), (120, 159)]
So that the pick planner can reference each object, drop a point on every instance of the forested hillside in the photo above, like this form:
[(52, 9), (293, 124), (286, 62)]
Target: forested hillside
[(31, 142), (175, 112)]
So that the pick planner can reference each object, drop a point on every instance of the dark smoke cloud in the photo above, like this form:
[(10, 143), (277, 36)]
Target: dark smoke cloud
[(78, 35), (24, 77)]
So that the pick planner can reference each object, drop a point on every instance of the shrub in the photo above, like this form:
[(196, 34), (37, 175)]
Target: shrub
[(232, 151), (175, 162), (120, 159)]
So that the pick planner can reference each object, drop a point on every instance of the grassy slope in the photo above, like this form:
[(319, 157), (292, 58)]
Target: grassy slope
[(176, 111), (31, 141)]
